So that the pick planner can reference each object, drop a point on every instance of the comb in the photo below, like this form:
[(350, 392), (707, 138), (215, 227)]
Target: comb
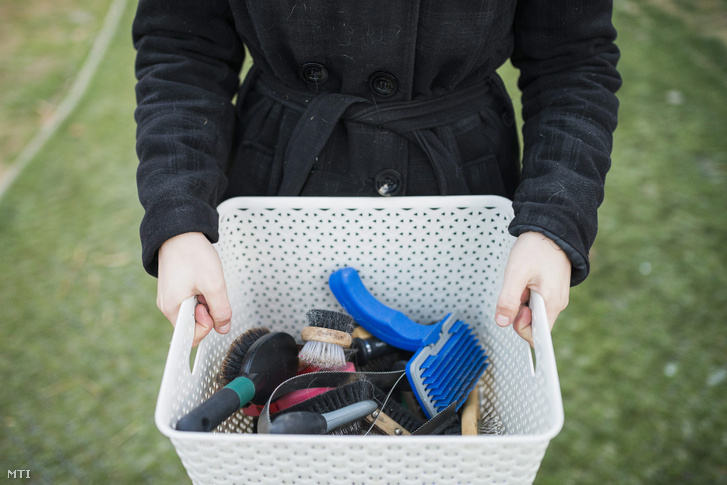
[(448, 359)]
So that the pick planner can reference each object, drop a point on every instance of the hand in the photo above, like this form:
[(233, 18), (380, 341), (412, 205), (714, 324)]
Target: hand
[(189, 265), (535, 263)]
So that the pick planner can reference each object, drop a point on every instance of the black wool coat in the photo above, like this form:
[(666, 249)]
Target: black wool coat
[(376, 98)]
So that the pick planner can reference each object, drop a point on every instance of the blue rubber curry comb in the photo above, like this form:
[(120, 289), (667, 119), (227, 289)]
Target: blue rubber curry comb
[(448, 359)]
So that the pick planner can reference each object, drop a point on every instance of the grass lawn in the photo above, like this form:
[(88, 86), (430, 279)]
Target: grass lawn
[(42, 45), (641, 350)]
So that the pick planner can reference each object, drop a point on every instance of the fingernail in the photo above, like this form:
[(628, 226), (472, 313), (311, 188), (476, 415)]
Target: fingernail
[(502, 320), (225, 328)]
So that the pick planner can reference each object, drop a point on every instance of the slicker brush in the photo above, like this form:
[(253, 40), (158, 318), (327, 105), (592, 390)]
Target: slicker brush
[(326, 337)]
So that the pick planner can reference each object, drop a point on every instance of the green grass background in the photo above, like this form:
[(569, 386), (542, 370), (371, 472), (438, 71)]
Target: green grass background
[(641, 350)]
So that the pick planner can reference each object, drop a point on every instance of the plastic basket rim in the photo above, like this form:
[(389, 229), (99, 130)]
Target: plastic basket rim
[(181, 436), (355, 203)]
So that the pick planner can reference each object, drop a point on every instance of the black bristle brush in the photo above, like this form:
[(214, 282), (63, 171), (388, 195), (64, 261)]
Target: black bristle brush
[(307, 422), (326, 337), (297, 419), (393, 419), (231, 364), (310, 416), (268, 360)]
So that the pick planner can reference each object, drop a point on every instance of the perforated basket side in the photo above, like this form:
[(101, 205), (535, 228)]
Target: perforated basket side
[(352, 460), (424, 256)]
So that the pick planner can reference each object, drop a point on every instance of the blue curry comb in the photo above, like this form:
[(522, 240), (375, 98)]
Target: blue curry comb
[(448, 359)]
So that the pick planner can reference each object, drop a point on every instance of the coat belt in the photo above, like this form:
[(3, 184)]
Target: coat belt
[(423, 121)]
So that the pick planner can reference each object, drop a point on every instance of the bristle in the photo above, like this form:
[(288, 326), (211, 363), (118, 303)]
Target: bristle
[(331, 319), (397, 412), (450, 374), (490, 424), (352, 428), (230, 367), (322, 354), (454, 427), (359, 390), (326, 355), (342, 396)]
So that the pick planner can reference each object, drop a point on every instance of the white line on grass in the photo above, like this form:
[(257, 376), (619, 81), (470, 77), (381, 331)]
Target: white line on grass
[(74, 95)]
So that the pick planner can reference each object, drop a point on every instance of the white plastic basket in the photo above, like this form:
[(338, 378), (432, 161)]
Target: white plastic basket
[(425, 256)]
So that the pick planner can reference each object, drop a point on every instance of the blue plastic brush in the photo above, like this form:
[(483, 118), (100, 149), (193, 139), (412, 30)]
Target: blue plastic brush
[(448, 359)]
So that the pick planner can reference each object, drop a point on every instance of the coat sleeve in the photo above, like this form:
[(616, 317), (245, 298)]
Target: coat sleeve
[(567, 59), (188, 65)]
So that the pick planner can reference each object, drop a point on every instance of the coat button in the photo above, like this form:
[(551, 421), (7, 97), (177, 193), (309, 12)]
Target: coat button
[(313, 73), (388, 182), (382, 84)]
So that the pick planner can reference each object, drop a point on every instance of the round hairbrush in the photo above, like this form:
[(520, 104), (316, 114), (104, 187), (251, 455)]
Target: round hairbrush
[(232, 363), (271, 359)]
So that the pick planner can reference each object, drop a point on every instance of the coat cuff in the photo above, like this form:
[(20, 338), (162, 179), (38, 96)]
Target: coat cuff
[(576, 253), (157, 226)]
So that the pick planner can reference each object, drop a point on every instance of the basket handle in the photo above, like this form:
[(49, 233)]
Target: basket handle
[(545, 366), (542, 340), (181, 344), (183, 335)]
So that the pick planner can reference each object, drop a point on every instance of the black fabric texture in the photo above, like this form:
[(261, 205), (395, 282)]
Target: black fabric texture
[(202, 138)]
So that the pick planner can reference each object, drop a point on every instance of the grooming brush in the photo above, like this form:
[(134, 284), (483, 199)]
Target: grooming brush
[(445, 422), (327, 335), (360, 332), (307, 422), (340, 397), (295, 397), (270, 360), (471, 413), (368, 349), (448, 359), (473, 422), (396, 420), (489, 424), (385, 424), (392, 418), (232, 363), (406, 394)]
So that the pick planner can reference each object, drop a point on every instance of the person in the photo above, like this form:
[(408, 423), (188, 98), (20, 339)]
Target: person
[(378, 98)]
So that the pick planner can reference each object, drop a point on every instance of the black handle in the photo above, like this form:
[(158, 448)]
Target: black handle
[(208, 415), (299, 422), (370, 348)]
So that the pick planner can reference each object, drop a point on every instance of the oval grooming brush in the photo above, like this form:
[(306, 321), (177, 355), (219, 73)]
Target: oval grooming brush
[(270, 360), (327, 335), (448, 359), (232, 363)]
